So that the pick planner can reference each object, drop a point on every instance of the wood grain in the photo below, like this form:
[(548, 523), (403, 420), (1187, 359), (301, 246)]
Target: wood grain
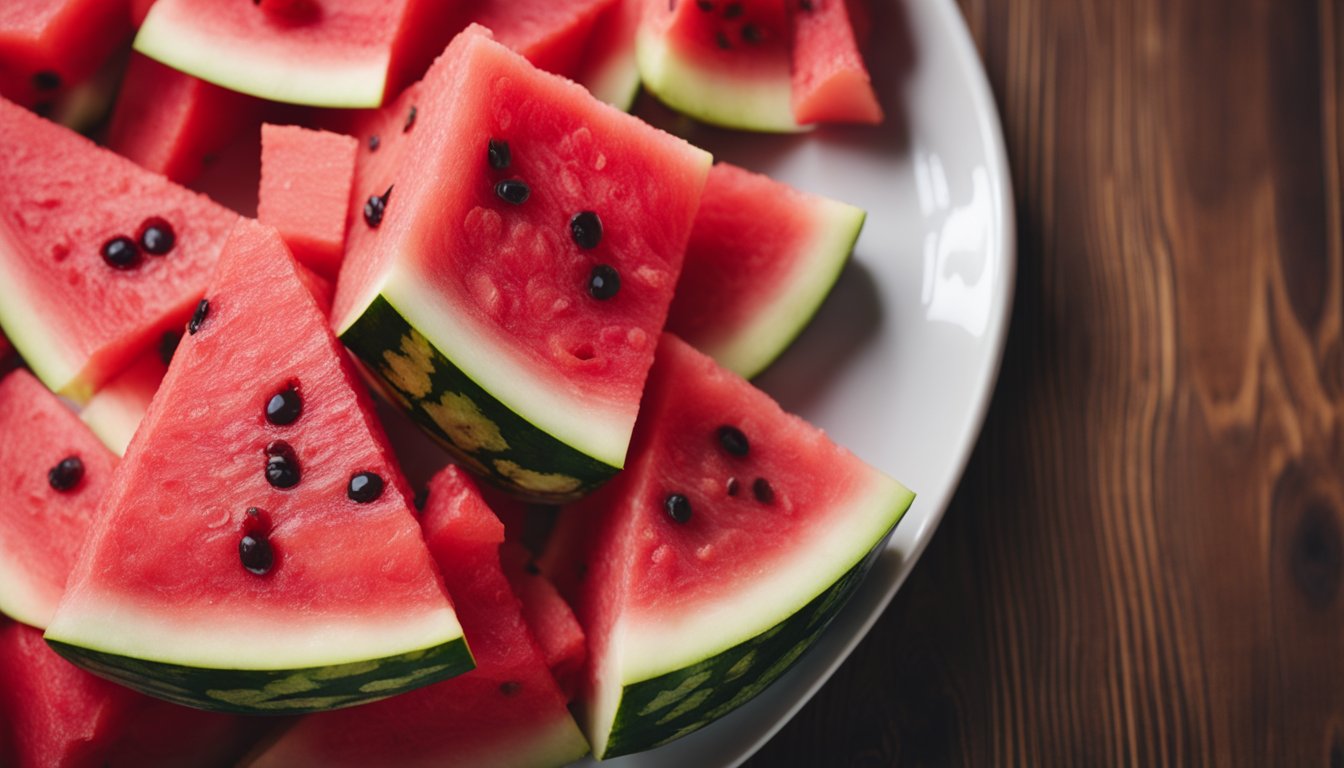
[(1143, 563)]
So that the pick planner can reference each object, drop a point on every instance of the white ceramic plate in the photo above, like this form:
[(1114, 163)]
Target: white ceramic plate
[(900, 362)]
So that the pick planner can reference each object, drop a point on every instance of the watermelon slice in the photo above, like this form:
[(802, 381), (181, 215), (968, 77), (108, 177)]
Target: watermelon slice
[(175, 124), (552, 34), (830, 82), (351, 53), (305, 192), (285, 572), (49, 47), (60, 715), (726, 547), (609, 69), (76, 318), (508, 276), (56, 473), (506, 712), (725, 63), (761, 259)]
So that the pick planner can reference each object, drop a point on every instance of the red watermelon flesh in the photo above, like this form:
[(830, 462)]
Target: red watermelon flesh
[(61, 716), (552, 34), (42, 528), (175, 124), (549, 617), (337, 53), (76, 319), (762, 257), (306, 178), (349, 577), (47, 47), (830, 82), (507, 711), (713, 562)]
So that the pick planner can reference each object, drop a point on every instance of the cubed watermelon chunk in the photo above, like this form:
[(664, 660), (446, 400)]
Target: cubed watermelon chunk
[(305, 192)]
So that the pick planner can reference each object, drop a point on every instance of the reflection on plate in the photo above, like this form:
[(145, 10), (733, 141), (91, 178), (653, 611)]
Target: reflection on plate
[(900, 362)]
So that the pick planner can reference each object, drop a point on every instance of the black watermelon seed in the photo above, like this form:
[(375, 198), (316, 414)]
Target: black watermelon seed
[(732, 10), (254, 550), (510, 688), (46, 80), (282, 466), (120, 253), (705, 5), (168, 346), (157, 236), (498, 154), (197, 318), (375, 207), (66, 474), (410, 120), (513, 191), (374, 143), (733, 441), (760, 488), (586, 229), (603, 282), (532, 568), (805, 5), (721, 40), (733, 486), (365, 487), (678, 507), (284, 407), (751, 33)]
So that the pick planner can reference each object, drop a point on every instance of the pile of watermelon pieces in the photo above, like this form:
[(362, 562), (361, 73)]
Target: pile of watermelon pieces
[(209, 551)]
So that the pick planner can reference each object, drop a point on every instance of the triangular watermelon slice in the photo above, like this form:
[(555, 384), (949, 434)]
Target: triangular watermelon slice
[(510, 287), (506, 712), (257, 551), (718, 557), (552, 34), (80, 293), (56, 473)]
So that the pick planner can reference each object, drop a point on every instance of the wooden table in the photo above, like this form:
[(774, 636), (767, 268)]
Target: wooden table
[(1143, 563)]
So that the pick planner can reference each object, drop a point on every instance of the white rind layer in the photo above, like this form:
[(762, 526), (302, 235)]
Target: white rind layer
[(262, 642), (599, 429), (751, 348), (762, 103), (656, 643), (24, 600), (231, 64)]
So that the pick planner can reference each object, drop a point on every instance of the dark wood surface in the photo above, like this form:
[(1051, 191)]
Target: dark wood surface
[(1143, 562)]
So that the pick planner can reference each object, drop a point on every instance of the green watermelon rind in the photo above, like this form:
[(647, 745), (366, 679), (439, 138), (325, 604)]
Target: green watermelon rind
[(462, 416), (276, 691), (663, 699), (751, 349), (233, 65), (711, 96)]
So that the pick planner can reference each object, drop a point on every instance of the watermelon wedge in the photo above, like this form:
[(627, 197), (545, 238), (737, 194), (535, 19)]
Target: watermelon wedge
[(351, 53), (724, 63), (508, 273), (550, 618), (57, 472), (719, 556), (609, 69), (506, 712), (174, 124), (285, 571), (80, 296), (761, 259), (830, 82)]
